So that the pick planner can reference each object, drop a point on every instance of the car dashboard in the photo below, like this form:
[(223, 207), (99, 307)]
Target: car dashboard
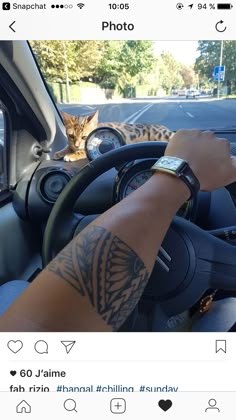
[(50, 178), (39, 189)]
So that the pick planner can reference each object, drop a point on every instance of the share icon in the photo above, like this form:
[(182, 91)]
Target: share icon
[(68, 345)]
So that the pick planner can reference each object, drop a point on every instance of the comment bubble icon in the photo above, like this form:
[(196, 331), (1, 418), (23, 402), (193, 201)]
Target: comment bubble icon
[(41, 347)]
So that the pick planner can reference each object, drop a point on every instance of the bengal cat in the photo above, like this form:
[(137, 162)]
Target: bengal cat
[(78, 128)]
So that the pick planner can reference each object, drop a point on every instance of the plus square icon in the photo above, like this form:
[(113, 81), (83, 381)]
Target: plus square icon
[(118, 405)]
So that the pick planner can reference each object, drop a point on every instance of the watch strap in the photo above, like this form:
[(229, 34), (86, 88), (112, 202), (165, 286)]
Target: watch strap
[(188, 177), (182, 171)]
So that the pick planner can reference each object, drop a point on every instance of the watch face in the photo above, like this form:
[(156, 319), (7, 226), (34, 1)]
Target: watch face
[(170, 163)]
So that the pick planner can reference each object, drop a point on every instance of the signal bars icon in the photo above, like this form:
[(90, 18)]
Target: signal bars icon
[(80, 5)]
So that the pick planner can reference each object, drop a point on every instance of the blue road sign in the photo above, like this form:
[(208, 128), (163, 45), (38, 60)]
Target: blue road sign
[(219, 73)]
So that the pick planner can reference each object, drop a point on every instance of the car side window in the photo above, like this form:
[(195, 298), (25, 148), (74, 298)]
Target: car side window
[(3, 169)]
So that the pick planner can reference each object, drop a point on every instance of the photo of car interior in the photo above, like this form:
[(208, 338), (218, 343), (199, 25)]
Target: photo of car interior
[(48, 198)]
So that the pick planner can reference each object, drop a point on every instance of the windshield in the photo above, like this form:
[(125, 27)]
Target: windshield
[(178, 84)]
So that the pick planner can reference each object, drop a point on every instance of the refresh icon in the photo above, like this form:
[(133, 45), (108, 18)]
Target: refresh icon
[(219, 27)]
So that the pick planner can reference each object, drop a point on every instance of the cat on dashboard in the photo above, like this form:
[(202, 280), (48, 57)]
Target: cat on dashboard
[(78, 127)]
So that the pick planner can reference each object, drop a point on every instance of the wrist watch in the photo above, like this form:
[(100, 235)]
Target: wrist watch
[(179, 168)]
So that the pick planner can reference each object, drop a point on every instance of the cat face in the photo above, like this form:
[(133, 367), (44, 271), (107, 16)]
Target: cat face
[(78, 128)]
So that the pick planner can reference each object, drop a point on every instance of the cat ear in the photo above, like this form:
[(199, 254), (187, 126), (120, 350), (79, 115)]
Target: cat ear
[(93, 118), (66, 117), (92, 121)]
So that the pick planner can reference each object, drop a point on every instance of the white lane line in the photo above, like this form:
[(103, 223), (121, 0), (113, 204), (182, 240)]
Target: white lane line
[(133, 117), (141, 113), (128, 119), (190, 115)]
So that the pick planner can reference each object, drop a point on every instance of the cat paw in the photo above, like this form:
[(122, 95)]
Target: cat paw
[(67, 158), (72, 157)]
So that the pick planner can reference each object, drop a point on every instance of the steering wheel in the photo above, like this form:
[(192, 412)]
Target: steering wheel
[(190, 261)]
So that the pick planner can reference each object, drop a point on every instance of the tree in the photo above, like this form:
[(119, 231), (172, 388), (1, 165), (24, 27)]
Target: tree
[(108, 70), (170, 74), (82, 58), (123, 63), (210, 57), (188, 75), (109, 63), (136, 59)]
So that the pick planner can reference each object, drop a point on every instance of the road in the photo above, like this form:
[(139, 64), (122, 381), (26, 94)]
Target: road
[(175, 113)]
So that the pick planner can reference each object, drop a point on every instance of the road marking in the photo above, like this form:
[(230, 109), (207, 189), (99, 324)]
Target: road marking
[(141, 113), (133, 117), (128, 119), (190, 115)]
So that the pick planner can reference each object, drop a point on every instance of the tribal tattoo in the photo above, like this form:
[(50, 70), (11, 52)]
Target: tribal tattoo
[(101, 267)]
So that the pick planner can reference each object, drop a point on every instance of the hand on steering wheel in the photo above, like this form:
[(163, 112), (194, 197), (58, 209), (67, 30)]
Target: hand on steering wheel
[(196, 262)]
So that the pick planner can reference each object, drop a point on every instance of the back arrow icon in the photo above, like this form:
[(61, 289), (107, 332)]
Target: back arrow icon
[(220, 23), (11, 26)]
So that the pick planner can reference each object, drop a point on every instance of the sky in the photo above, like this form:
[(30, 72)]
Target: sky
[(183, 51)]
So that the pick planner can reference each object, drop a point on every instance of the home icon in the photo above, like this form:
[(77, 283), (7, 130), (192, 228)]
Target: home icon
[(23, 407)]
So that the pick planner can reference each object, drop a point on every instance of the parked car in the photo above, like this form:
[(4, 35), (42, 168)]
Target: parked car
[(181, 92), (192, 93)]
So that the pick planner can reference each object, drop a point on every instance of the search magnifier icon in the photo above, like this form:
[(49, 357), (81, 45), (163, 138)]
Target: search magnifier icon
[(70, 405)]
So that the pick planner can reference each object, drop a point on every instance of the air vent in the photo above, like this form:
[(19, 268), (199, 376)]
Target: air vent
[(51, 184)]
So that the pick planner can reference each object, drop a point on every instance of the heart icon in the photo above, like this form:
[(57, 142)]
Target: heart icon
[(15, 346), (165, 404), (13, 372)]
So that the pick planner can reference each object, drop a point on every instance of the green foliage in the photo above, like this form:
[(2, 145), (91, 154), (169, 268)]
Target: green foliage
[(108, 69), (136, 60), (109, 63), (210, 57), (169, 70), (81, 58), (136, 57), (116, 65), (189, 76), (123, 62)]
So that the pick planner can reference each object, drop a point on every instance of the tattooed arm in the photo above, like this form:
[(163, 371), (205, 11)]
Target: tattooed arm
[(97, 280)]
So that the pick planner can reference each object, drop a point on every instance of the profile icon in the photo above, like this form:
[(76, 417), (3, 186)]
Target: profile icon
[(212, 406)]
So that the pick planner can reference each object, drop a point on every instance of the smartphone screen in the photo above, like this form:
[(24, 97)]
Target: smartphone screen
[(117, 209)]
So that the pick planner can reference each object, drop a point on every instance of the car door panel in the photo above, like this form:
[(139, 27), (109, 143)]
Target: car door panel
[(19, 246)]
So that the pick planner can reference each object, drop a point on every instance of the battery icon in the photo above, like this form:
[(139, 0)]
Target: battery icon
[(224, 6)]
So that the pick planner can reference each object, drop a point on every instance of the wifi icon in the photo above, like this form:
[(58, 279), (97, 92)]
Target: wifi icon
[(81, 5)]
